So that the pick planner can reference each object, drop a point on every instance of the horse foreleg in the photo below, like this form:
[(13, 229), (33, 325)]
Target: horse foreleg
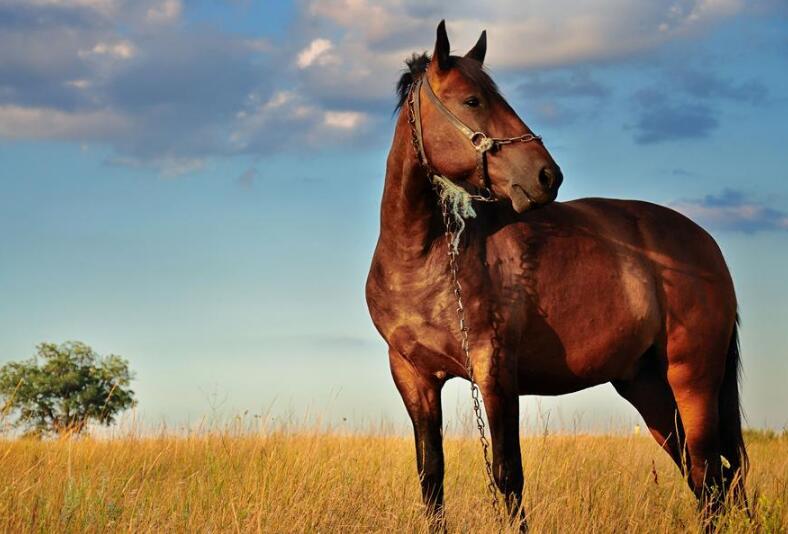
[(502, 406), (421, 394)]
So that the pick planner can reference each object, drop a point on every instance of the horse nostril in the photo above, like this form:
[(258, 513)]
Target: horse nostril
[(546, 178), (550, 178), (559, 178)]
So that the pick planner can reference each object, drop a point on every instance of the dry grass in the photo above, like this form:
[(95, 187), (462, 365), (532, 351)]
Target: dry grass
[(321, 482)]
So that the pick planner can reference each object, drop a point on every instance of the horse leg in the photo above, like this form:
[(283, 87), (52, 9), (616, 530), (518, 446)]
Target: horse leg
[(501, 403), (649, 393), (697, 399), (421, 394)]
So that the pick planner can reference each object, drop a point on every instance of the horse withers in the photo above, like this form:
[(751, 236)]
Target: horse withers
[(557, 299)]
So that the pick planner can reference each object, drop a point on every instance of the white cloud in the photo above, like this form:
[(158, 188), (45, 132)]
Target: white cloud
[(79, 84), (339, 77), (374, 17), (346, 120), (288, 119), (17, 122), (524, 34), (106, 7), (732, 210), (317, 52), (279, 99), (714, 8), (165, 12), (118, 50), (356, 69), (167, 166)]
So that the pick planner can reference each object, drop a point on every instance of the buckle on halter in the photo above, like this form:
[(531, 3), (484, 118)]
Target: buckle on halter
[(481, 142)]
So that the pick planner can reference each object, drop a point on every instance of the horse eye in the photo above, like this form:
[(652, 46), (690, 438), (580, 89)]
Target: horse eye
[(472, 102)]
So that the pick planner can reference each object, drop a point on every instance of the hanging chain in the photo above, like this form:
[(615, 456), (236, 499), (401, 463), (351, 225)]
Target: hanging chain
[(450, 225), (466, 349)]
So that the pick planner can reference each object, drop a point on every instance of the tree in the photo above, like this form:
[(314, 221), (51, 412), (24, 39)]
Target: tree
[(63, 387)]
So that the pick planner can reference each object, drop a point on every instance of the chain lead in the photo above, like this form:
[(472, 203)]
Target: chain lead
[(466, 349)]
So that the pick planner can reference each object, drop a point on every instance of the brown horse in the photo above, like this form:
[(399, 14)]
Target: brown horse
[(558, 299)]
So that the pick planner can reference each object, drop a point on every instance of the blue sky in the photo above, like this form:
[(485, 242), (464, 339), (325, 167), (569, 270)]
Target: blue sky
[(195, 185)]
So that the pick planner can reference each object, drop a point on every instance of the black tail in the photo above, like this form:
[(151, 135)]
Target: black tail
[(731, 439)]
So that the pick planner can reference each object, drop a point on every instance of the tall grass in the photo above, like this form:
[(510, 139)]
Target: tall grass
[(301, 481)]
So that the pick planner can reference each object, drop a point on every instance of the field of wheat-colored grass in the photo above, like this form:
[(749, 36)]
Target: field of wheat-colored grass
[(301, 481)]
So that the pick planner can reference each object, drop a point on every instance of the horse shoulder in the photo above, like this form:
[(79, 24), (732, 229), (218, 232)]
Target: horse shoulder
[(409, 306)]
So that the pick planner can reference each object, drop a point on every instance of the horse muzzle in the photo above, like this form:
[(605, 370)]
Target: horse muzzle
[(528, 193)]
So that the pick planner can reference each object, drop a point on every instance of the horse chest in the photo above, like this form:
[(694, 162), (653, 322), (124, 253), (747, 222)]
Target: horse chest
[(416, 315)]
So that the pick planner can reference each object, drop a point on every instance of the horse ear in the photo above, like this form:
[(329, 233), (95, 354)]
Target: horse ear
[(441, 52), (479, 49)]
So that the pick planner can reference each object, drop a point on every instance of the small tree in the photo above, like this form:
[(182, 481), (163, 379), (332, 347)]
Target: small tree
[(63, 387)]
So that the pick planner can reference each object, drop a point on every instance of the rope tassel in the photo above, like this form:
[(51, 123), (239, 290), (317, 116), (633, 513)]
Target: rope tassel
[(458, 203)]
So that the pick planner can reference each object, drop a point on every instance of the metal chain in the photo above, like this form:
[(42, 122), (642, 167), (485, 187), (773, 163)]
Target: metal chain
[(449, 224), (525, 138), (466, 349)]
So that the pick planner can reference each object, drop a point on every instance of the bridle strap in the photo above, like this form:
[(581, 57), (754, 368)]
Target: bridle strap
[(461, 126), (480, 141), (416, 122), (414, 108)]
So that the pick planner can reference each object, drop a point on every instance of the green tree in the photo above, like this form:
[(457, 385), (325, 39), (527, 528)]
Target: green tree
[(64, 387)]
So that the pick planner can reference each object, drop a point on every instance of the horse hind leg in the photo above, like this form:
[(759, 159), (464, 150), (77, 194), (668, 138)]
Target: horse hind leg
[(732, 441), (681, 411), (649, 393), (695, 386)]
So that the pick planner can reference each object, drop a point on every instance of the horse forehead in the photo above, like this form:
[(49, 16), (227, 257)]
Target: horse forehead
[(454, 81)]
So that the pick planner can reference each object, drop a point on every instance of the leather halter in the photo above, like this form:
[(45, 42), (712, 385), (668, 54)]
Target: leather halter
[(480, 141)]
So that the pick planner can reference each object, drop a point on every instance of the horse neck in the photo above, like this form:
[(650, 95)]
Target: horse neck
[(409, 208)]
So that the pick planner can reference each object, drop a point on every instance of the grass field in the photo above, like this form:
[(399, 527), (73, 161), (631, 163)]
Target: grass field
[(288, 481)]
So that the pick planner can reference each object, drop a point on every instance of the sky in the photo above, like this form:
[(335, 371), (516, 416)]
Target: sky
[(195, 185)]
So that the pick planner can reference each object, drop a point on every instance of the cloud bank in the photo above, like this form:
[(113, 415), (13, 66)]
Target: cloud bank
[(168, 92), (733, 211), (683, 104)]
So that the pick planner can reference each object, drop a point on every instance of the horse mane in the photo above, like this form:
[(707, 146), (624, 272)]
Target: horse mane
[(416, 65)]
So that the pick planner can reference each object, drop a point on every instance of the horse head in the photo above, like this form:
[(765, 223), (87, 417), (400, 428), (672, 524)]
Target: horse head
[(466, 131)]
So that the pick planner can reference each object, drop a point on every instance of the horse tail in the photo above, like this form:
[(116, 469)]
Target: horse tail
[(730, 413)]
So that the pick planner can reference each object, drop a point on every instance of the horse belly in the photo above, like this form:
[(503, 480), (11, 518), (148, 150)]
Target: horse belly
[(570, 366), (592, 325)]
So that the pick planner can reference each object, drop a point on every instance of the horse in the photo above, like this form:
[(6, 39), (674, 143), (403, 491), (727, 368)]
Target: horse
[(558, 296)]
